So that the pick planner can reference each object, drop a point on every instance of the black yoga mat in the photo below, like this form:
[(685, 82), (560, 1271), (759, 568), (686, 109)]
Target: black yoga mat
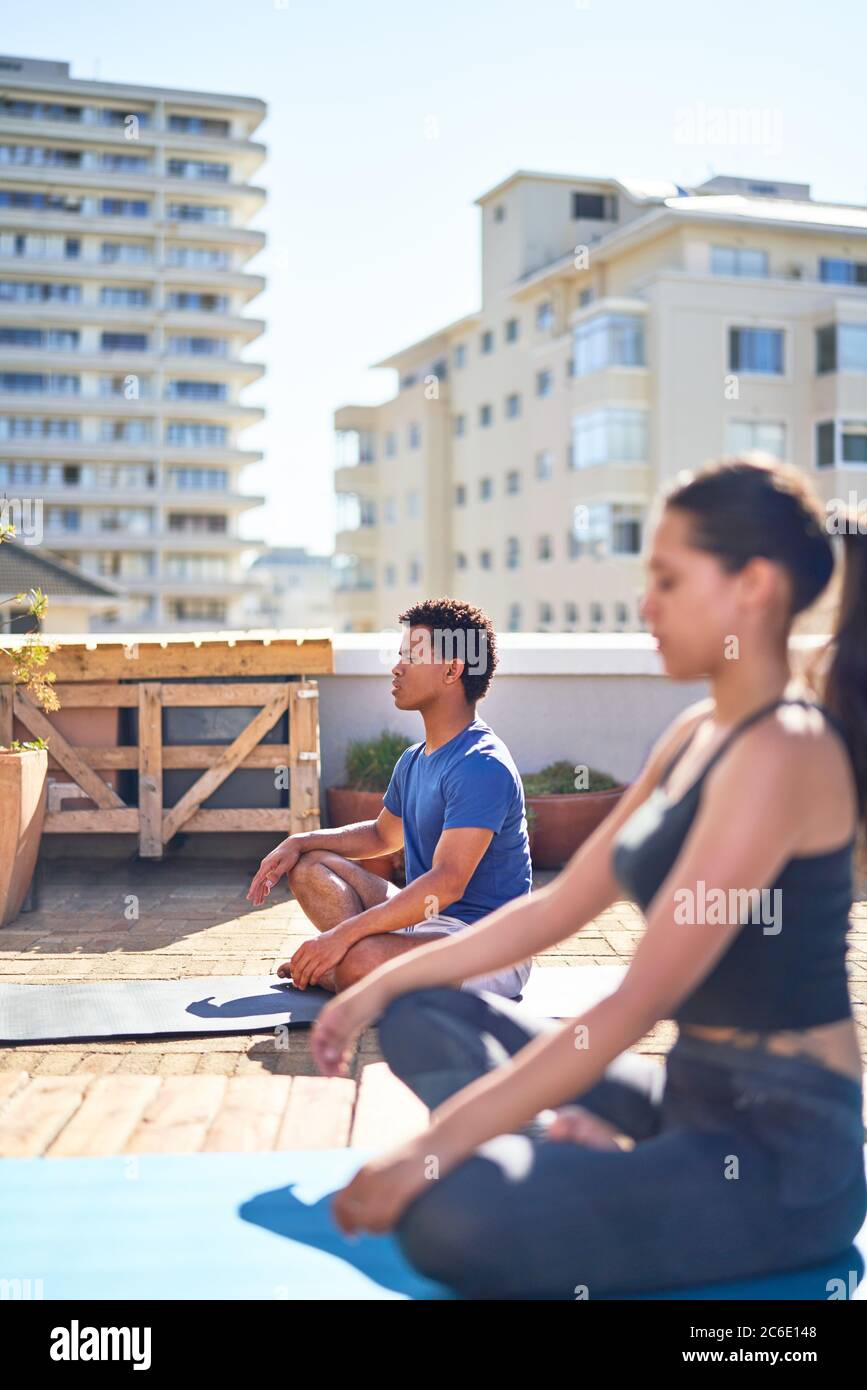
[(232, 1004)]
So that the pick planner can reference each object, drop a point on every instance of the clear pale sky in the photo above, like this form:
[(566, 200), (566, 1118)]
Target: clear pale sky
[(387, 119)]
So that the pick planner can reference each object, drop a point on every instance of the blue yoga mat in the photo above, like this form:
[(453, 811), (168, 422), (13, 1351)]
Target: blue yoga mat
[(240, 1226), (179, 1226)]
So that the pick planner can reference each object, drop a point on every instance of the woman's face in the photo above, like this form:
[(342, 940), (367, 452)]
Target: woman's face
[(691, 603)]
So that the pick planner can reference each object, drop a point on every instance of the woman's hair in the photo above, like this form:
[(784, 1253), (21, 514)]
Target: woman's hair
[(741, 509)]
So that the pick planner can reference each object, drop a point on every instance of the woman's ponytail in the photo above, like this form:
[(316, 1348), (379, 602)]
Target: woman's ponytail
[(845, 691)]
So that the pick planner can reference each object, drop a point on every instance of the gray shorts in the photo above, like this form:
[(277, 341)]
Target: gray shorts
[(509, 982)]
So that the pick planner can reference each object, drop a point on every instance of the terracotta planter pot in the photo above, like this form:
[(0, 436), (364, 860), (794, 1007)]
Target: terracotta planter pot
[(563, 822), (22, 810), (345, 807)]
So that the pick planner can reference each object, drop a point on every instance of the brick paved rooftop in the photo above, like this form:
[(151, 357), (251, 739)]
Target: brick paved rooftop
[(218, 1093)]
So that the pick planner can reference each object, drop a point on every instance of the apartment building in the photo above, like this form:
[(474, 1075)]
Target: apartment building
[(626, 333), (124, 241)]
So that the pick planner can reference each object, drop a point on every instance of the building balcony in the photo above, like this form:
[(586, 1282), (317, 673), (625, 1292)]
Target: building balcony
[(99, 451), (117, 182), (72, 223), (120, 363), (96, 405), (87, 268)]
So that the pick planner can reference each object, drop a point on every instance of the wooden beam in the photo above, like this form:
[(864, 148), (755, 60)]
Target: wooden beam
[(7, 696), (105, 694), (151, 661), (304, 756), (150, 770), (86, 822), (267, 756), (96, 695), (230, 820), (226, 764), (64, 753)]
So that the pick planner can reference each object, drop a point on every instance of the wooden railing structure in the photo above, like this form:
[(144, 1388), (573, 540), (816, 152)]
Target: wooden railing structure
[(157, 672)]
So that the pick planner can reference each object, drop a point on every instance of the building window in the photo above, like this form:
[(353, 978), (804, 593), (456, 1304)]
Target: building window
[(513, 553), (486, 342), (513, 406), (390, 444), (546, 615), (198, 125), (608, 340), (585, 297), (460, 495), (500, 213), (486, 415), (512, 330), (413, 570), (459, 425), (514, 619), (766, 435), (390, 575), (460, 560), (513, 482), (621, 615), (544, 315), (758, 350), (544, 382), (609, 436), (460, 355), (124, 342), (486, 489), (413, 506), (570, 615), (544, 548), (841, 443), (836, 271), (607, 528), (486, 560), (545, 464), (597, 615), (735, 260), (413, 435), (594, 207), (120, 297), (389, 511), (841, 347)]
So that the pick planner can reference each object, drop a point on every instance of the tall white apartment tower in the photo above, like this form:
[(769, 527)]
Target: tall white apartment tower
[(124, 237)]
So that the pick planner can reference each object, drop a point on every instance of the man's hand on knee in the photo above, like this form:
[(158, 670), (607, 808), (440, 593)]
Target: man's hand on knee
[(280, 861)]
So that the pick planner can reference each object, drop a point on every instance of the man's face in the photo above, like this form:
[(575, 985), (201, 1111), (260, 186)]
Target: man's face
[(419, 678)]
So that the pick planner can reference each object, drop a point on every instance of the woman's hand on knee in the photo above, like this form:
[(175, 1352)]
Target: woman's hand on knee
[(572, 1124)]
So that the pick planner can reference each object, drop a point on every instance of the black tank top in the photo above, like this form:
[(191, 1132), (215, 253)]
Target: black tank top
[(786, 968)]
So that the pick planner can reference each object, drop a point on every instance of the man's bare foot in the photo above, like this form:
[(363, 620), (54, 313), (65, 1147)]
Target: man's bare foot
[(573, 1124)]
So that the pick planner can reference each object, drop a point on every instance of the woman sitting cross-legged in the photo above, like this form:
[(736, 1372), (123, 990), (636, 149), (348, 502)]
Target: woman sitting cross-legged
[(558, 1164)]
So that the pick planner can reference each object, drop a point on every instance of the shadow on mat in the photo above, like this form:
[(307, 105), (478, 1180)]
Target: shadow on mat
[(377, 1257), (277, 1000)]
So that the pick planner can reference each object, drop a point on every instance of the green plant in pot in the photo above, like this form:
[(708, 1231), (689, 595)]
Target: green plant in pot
[(23, 764), (369, 765), (567, 800)]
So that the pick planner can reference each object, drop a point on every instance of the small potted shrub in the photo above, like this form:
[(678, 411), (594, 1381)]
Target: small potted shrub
[(23, 766), (567, 801), (369, 765)]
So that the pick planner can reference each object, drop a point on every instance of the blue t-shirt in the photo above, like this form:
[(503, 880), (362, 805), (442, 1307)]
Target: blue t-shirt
[(469, 781)]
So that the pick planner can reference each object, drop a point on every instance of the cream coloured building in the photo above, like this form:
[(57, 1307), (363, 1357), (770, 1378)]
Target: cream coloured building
[(625, 334), (124, 241)]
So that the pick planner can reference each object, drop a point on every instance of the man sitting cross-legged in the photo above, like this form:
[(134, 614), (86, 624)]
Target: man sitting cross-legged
[(455, 802)]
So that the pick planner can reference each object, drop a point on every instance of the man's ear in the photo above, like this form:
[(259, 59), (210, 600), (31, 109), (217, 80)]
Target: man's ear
[(454, 671)]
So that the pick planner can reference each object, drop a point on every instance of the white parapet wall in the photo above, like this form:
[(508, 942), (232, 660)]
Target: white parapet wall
[(600, 699)]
